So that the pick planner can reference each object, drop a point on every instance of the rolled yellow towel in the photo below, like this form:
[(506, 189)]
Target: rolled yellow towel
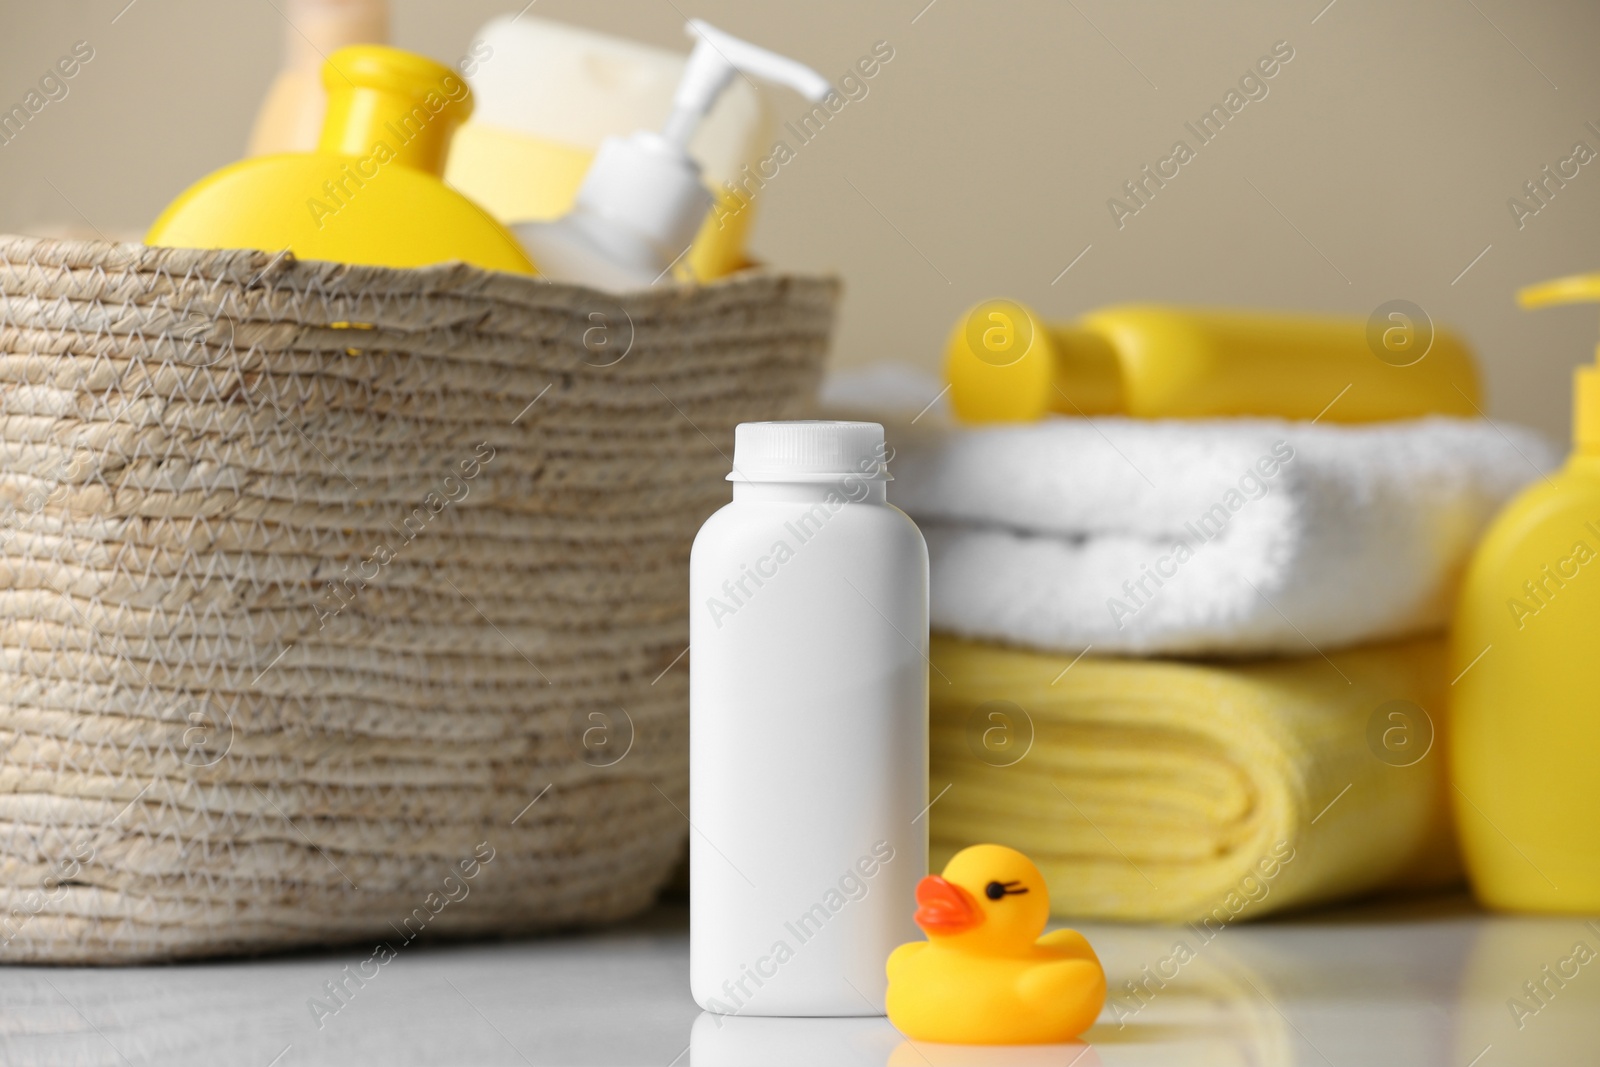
[(1205, 792)]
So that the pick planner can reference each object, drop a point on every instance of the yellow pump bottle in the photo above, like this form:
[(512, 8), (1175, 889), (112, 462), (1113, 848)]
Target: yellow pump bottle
[(371, 193), (1525, 726), (1005, 365)]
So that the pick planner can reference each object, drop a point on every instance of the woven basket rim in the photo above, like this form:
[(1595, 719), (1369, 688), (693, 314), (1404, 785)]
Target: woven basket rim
[(253, 267)]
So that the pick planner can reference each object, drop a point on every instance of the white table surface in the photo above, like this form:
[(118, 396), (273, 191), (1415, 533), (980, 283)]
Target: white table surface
[(1413, 983)]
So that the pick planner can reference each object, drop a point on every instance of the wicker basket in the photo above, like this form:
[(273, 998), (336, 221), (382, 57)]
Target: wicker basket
[(341, 603)]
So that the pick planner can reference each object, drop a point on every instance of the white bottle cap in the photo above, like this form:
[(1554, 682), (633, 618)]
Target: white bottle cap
[(808, 452), (647, 184)]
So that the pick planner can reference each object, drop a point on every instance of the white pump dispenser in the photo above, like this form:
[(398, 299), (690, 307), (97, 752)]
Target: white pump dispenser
[(643, 199)]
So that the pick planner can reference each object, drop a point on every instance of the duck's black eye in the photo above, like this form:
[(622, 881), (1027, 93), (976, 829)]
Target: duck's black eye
[(994, 890)]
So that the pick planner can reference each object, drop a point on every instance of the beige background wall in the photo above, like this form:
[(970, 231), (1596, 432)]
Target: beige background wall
[(1377, 167)]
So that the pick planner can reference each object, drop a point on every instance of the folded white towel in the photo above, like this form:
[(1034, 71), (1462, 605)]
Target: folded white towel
[(1229, 536)]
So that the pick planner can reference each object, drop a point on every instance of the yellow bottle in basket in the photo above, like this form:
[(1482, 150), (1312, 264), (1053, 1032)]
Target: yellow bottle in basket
[(1005, 365), (371, 193), (1525, 716)]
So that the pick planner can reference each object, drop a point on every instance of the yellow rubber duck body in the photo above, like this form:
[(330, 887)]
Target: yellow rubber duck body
[(985, 976)]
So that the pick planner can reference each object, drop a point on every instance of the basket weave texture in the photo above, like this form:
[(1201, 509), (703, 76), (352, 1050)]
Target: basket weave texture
[(342, 603)]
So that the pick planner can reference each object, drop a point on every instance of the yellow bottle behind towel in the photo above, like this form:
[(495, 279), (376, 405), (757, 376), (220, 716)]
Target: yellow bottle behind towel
[(1526, 705), (1005, 365), (371, 193)]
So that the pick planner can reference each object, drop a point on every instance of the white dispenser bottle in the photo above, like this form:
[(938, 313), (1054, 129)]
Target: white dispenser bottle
[(808, 740), (643, 200)]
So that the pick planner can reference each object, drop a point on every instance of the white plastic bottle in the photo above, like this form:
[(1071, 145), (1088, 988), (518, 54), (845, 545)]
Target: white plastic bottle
[(643, 198), (808, 750)]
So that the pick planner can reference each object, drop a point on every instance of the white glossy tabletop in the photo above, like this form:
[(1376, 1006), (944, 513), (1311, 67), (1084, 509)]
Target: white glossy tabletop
[(1419, 983)]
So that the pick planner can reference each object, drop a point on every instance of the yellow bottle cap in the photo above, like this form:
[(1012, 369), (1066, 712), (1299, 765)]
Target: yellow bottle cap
[(406, 102), (1005, 365), (1575, 289)]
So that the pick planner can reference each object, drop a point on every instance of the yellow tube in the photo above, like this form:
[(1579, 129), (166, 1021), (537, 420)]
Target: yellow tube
[(1004, 364)]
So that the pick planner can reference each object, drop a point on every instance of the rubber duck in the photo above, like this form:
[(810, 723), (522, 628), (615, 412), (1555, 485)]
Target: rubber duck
[(985, 976)]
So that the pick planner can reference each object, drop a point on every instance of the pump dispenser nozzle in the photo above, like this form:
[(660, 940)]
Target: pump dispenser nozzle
[(1575, 289), (717, 56), (643, 199)]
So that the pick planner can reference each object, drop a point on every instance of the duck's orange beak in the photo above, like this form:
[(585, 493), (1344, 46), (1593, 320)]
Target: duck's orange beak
[(944, 907)]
